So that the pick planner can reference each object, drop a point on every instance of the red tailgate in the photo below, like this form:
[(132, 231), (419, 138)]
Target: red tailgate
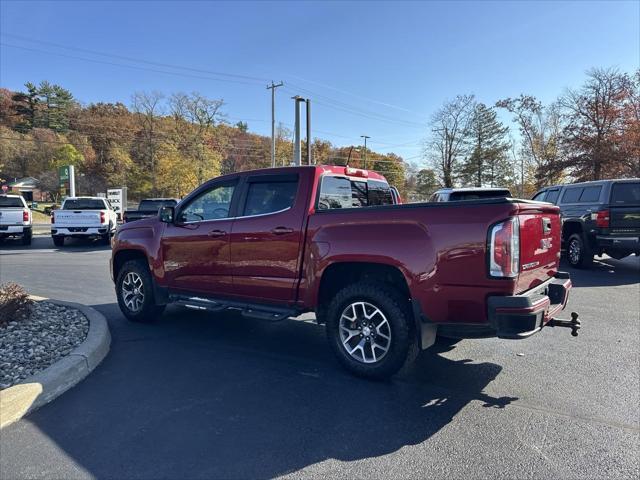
[(540, 231)]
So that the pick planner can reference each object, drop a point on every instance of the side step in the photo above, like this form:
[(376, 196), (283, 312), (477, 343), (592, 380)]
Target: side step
[(250, 310)]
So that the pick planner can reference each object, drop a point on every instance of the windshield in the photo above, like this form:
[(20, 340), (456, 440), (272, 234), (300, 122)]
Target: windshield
[(83, 204), (478, 194), (154, 205), (11, 202), (625, 194)]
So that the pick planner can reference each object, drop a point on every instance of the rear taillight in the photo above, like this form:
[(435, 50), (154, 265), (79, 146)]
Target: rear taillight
[(504, 248), (25, 216), (102, 218), (602, 218)]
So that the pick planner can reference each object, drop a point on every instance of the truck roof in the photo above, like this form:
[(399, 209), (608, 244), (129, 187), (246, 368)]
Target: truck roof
[(332, 169), (473, 189)]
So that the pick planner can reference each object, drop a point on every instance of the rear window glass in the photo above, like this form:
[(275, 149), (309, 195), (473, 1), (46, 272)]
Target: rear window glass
[(590, 194), (83, 204), (154, 205), (571, 195), (625, 193), (341, 192), (269, 197), (478, 195), (11, 202), (552, 196)]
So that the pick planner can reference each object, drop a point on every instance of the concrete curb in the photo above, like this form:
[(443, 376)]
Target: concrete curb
[(41, 388)]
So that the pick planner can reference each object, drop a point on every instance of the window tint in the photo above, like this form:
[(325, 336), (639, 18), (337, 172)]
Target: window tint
[(335, 192), (552, 196), (11, 202), (379, 193), (478, 194), (539, 197), (340, 192), (268, 197), (213, 204), (571, 195), (84, 204), (590, 194), (625, 193)]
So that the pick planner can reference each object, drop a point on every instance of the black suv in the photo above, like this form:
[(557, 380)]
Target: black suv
[(597, 217)]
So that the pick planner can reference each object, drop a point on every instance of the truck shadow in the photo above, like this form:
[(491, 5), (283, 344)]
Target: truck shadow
[(44, 242), (227, 397)]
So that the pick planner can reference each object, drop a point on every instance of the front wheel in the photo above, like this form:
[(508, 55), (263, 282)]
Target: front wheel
[(578, 252), (134, 290), (369, 329)]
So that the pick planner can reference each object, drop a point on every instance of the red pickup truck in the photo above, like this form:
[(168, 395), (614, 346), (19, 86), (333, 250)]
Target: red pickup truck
[(384, 278)]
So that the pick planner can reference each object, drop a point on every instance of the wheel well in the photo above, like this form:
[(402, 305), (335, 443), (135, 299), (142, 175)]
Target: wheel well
[(124, 256), (568, 229), (339, 275)]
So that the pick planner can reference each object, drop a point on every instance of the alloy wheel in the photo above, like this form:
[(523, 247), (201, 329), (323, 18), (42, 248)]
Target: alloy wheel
[(133, 292), (365, 332)]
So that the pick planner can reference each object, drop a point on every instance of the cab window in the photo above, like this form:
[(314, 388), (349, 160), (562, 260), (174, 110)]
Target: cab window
[(269, 196), (212, 204), (539, 197)]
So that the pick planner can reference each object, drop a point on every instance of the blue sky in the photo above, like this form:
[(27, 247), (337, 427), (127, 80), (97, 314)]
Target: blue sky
[(373, 68)]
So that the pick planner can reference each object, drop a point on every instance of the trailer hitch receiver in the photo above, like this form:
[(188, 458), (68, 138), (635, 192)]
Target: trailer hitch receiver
[(573, 324)]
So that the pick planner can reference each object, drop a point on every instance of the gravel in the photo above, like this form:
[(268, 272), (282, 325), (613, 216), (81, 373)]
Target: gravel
[(31, 345)]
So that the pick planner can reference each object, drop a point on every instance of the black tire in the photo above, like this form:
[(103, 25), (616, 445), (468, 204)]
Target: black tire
[(149, 311), (26, 238), (58, 241), (402, 347), (106, 238), (579, 253)]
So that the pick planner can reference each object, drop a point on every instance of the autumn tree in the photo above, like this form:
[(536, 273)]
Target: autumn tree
[(148, 108), (448, 132)]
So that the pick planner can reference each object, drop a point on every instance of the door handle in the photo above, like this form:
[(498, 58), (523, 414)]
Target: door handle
[(281, 230), (217, 233)]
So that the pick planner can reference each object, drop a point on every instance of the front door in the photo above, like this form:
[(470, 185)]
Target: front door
[(267, 237), (196, 246)]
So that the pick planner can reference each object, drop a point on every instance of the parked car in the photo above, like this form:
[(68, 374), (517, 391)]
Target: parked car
[(472, 193), (83, 217), (148, 207), (15, 218), (597, 218), (384, 278)]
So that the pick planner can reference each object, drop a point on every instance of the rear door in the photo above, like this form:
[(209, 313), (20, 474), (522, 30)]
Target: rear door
[(267, 236), (625, 208)]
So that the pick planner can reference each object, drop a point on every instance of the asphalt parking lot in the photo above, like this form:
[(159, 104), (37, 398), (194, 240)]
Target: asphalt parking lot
[(220, 396)]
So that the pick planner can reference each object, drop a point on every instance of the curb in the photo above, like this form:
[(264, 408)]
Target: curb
[(43, 387)]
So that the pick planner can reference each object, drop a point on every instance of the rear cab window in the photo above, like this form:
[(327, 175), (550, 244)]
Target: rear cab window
[(590, 194), (571, 195), (84, 204), (11, 202), (343, 192), (478, 194), (625, 193)]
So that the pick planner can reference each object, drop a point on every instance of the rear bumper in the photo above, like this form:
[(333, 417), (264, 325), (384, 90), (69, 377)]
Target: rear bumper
[(79, 232), (520, 316), (630, 244), (14, 230)]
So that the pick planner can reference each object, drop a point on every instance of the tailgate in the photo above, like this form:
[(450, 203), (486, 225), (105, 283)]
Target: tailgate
[(540, 231), (624, 207), (11, 216), (77, 218)]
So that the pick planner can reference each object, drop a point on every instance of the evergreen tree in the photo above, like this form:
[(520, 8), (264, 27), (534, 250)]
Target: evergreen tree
[(486, 163)]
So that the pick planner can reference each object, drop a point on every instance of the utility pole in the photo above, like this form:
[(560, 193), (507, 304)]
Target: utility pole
[(273, 87), (365, 149), (297, 147), (308, 103)]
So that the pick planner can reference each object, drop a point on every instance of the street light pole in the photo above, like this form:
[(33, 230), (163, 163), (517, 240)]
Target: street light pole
[(273, 87), (365, 149), (297, 147)]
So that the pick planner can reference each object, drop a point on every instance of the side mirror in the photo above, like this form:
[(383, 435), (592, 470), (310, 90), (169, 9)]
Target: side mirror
[(166, 214)]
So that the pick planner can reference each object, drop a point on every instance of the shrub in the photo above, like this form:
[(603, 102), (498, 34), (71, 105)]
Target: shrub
[(15, 303)]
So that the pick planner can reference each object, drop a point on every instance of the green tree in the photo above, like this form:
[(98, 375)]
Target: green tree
[(426, 183), (486, 163), (66, 155)]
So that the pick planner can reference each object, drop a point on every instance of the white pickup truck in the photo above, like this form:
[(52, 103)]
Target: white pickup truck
[(83, 217), (15, 218)]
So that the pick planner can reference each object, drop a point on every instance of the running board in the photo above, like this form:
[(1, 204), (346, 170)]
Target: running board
[(249, 310)]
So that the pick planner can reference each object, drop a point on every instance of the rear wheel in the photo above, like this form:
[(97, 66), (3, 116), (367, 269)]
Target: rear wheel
[(106, 238), (134, 290), (578, 252), (58, 241), (369, 329), (26, 238)]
